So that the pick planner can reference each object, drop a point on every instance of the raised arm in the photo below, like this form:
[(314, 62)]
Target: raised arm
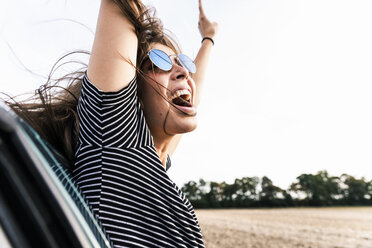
[(114, 47), (207, 29)]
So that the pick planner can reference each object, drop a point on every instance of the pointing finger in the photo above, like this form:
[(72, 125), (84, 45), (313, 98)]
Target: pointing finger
[(201, 9)]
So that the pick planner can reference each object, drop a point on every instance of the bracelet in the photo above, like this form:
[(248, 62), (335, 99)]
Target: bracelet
[(208, 38)]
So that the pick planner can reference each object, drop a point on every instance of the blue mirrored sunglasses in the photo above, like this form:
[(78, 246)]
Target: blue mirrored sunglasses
[(164, 62)]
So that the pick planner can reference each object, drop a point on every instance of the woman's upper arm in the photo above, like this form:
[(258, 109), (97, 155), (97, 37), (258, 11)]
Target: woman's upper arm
[(113, 58)]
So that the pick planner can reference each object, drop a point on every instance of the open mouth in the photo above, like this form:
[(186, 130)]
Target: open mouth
[(182, 98)]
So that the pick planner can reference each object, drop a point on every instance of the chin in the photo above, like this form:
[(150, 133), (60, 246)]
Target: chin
[(191, 127), (185, 126)]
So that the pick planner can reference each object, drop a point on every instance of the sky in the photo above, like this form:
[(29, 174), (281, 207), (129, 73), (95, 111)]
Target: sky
[(288, 89)]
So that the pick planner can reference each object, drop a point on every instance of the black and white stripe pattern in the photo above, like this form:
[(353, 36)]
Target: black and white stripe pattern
[(121, 175)]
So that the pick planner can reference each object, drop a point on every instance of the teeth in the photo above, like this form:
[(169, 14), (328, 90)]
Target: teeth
[(179, 93)]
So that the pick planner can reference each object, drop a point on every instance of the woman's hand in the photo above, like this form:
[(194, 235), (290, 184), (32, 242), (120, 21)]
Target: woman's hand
[(206, 27)]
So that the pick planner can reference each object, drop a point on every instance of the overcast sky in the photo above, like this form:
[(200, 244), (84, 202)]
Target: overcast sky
[(288, 89)]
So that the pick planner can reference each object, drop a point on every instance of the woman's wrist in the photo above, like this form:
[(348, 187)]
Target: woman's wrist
[(206, 39)]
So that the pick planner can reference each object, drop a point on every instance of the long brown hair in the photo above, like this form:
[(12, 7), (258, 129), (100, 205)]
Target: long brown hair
[(52, 110)]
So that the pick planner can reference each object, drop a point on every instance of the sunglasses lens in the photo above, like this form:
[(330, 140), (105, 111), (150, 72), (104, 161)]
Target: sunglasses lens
[(187, 63), (160, 59)]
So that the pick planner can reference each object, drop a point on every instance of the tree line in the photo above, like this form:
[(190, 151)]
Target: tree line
[(318, 189)]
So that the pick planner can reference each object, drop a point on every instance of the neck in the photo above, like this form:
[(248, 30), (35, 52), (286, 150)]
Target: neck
[(162, 145)]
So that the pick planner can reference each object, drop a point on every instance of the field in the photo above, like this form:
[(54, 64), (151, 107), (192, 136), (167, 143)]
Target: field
[(292, 227)]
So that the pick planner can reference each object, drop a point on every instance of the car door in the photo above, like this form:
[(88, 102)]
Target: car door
[(40, 206)]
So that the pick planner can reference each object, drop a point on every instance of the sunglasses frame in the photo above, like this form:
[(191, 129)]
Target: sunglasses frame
[(179, 60)]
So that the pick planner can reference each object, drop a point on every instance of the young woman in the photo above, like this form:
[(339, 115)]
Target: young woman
[(137, 97)]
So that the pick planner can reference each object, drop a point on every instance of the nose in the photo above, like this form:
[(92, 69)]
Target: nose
[(179, 72)]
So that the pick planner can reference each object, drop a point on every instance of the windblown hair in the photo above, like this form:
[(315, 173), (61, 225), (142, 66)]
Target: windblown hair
[(52, 110)]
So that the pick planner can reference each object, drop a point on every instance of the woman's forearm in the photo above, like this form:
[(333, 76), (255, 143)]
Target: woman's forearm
[(201, 62)]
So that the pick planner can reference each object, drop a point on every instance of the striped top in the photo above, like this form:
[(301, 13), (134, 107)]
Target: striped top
[(120, 173)]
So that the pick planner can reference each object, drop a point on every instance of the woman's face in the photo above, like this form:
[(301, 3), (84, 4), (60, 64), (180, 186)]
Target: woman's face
[(160, 89)]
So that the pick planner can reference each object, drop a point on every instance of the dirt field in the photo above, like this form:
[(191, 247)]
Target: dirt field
[(294, 227)]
